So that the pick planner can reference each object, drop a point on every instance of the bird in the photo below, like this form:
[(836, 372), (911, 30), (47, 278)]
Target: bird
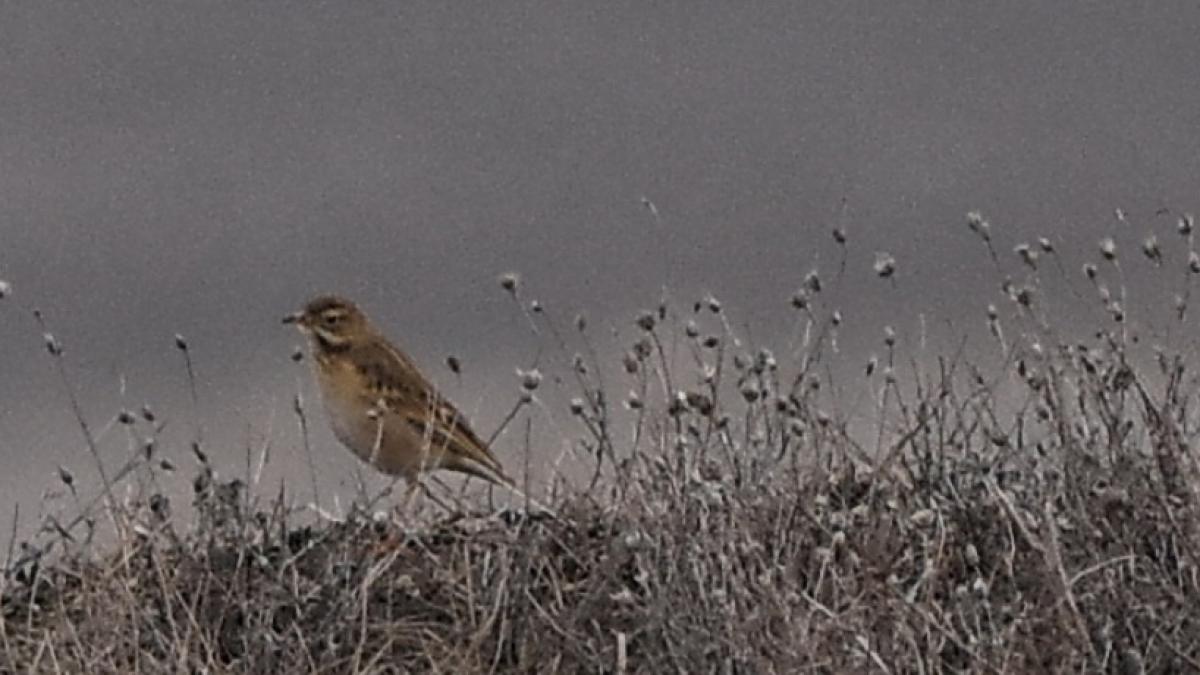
[(381, 406)]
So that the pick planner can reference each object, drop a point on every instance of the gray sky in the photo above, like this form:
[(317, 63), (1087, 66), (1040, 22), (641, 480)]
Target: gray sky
[(202, 168)]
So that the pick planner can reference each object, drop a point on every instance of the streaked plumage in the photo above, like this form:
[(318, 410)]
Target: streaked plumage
[(380, 405)]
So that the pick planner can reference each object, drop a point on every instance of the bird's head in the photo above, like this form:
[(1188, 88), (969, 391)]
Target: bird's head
[(332, 321)]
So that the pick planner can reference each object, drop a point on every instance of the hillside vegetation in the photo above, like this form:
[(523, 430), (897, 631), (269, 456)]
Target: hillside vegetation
[(1026, 504)]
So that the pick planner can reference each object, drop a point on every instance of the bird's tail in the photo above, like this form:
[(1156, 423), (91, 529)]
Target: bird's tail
[(496, 476)]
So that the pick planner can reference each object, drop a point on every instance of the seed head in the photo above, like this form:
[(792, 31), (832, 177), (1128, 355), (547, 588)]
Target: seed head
[(800, 299), (885, 264), (836, 317), (642, 349), (199, 453), (52, 344), (509, 281), (691, 329), (1023, 296), (1186, 224), (5, 289), (530, 379), (535, 306), (1089, 271), (766, 360), (1151, 250), (577, 406), (1194, 262), (454, 364), (678, 404), (1045, 244), (160, 506), (1027, 255), (645, 321), (297, 355), (1117, 312), (978, 225), (1108, 249), (580, 322), (839, 235), (125, 417), (180, 343), (812, 281), (699, 402), (633, 401), (713, 304)]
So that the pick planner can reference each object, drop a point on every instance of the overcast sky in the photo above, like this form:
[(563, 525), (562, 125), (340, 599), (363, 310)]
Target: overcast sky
[(203, 168)]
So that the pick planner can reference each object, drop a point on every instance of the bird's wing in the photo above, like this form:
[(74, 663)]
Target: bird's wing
[(393, 381)]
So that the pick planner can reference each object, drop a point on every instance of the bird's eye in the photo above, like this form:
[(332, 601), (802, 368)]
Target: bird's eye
[(332, 319)]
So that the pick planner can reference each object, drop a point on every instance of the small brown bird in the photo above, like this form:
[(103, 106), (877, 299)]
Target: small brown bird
[(380, 405)]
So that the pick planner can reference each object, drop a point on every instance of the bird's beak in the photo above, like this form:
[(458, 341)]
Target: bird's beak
[(294, 317)]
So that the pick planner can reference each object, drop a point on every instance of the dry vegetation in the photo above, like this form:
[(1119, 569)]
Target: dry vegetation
[(1025, 507)]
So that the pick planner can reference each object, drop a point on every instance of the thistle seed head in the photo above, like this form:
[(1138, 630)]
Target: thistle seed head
[(812, 281), (1027, 255), (1186, 224), (1108, 249), (1151, 250), (633, 401), (885, 264), (978, 225), (509, 281), (52, 344), (530, 379), (645, 321)]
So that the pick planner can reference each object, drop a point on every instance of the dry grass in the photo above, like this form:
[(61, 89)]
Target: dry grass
[(1035, 515)]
